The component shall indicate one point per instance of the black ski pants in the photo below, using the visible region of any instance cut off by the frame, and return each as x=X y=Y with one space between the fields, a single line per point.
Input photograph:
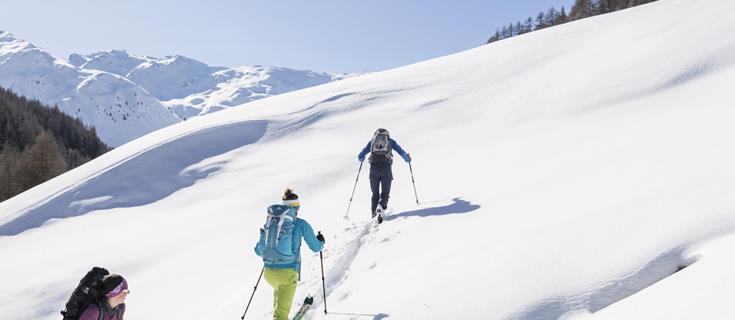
x=381 y=176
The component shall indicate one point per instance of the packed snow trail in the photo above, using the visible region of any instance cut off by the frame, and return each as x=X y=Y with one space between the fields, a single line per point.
x=341 y=251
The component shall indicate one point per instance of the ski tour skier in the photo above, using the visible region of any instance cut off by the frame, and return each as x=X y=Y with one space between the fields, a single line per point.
x=381 y=148
x=112 y=306
x=279 y=246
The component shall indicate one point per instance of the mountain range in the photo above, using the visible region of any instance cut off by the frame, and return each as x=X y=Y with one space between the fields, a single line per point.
x=125 y=96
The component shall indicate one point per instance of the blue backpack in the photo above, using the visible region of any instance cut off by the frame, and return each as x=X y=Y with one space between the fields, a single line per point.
x=277 y=235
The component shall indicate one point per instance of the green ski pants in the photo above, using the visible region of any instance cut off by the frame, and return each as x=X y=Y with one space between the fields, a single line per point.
x=284 y=283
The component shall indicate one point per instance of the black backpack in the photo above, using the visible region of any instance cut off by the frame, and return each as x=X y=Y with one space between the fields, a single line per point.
x=89 y=291
x=380 y=149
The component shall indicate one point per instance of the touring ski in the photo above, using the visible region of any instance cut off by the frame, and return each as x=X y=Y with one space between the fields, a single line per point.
x=304 y=308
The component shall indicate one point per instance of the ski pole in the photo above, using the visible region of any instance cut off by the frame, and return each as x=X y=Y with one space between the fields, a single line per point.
x=412 y=181
x=324 y=288
x=353 y=190
x=251 y=296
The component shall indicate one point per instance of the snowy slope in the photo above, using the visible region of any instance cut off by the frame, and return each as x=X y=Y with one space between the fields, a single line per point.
x=192 y=88
x=241 y=85
x=566 y=173
x=119 y=109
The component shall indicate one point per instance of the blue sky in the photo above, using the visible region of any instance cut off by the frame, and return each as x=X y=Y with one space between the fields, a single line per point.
x=329 y=35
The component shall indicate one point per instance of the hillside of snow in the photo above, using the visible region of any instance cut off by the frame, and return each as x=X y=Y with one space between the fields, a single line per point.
x=579 y=172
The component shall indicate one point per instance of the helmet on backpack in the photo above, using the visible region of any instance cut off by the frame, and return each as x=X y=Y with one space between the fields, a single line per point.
x=382 y=130
x=380 y=149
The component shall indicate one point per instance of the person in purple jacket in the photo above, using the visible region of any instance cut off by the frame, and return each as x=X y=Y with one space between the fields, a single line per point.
x=381 y=148
x=112 y=306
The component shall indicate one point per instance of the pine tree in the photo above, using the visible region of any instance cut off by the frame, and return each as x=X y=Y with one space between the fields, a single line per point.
x=9 y=183
x=562 y=17
x=22 y=122
x=511 y=30
x=495 y=37
x=528 y=25
x=581 y=9
x=42 y=161
x=550 y=17
x=74 y=158
x=606 y=6
x=540 y=21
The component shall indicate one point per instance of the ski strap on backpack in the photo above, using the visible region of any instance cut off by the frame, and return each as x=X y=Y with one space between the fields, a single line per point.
x=277 y=237
x=278 y=220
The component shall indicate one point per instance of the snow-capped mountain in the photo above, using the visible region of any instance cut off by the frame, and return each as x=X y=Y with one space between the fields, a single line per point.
x=584 y=171
x=244 y=84
x=119 y=109
x=126 y=96
x=119 y=62
x=191 y=88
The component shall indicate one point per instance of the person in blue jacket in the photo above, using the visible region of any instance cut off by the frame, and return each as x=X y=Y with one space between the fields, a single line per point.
x=381 y=148
x=280 y=247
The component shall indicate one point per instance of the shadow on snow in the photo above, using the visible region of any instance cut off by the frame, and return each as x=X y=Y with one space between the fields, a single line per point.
x=458 y=206
x=145 y=178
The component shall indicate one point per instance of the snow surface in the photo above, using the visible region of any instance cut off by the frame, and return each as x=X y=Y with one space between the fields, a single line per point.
x=567 y=173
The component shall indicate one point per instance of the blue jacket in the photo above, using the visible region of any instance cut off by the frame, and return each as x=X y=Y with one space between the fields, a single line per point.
x=392 y=144
x=302 y=230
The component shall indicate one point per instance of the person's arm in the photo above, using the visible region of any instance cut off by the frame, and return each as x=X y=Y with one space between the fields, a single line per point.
x=260 y=246
x=310 y=238
x=91 y=313
x=364 y=152
x=400 y=150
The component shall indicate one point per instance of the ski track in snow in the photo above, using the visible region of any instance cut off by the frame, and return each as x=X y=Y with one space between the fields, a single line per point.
x=357 y=234
x=340 y=257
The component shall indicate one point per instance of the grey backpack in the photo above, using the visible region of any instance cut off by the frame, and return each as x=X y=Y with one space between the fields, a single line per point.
x=380 y=150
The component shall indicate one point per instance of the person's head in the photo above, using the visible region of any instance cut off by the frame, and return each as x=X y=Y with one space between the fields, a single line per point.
x=115 y=289
x=291 y=199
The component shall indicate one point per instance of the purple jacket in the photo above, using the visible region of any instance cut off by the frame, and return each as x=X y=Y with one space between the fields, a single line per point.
x=93 y=312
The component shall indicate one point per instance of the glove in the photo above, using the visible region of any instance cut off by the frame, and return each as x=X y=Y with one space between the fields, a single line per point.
x=361 y=158
x=407 y=157
x=320 y=237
